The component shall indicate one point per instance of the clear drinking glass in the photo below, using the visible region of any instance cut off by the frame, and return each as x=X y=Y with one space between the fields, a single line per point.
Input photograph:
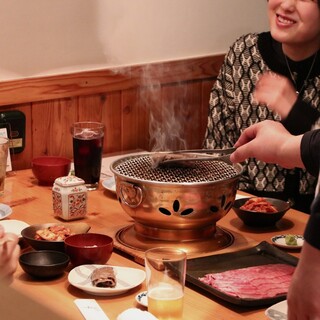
x=87 y=151
x=4 y=147
x=166 y=273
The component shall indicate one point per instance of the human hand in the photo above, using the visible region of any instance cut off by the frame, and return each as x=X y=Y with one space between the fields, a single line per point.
x=304 y=288
x=270 y=142
x=9 y=254
x=277 y=92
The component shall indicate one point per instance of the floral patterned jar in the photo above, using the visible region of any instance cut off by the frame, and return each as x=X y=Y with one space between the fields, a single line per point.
x=69 y=195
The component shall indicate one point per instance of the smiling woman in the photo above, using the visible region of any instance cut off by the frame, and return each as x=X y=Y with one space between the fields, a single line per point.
x=272 y=75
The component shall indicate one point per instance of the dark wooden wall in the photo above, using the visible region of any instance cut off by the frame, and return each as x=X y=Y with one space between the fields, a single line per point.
x=124 y=99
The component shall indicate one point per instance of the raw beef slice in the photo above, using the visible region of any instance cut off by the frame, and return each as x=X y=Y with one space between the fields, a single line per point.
x=259 y=282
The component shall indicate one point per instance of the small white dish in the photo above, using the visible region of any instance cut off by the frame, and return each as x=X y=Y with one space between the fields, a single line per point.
x=127 y=278
x=5 y=211
x=142 y=298
x=14 y=226
x=280 y=241
x=109 y=184
x=278 y=311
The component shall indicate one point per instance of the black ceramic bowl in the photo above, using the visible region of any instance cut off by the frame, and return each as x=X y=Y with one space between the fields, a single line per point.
x=44 y=263
x=29 y=233
x=261 y=219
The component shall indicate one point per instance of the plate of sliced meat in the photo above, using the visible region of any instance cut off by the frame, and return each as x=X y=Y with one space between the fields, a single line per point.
x=252 y=277
x=105 y=280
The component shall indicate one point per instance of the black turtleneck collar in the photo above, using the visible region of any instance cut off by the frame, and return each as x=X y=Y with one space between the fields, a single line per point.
x=272 y=54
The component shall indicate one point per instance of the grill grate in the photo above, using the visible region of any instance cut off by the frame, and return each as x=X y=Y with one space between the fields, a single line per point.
x=140 y=167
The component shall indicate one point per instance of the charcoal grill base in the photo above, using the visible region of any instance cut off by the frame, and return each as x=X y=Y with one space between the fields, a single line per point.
x=220 y=239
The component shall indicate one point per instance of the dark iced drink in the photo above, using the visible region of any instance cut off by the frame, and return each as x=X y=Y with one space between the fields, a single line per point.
x=87 y=151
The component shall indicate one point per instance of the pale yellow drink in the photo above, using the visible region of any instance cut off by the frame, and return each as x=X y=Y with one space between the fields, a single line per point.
x=166 y=303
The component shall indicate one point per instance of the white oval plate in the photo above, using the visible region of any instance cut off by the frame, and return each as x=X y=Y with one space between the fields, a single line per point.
x=278 y=311
x=109 y=184
x=279 y=241
x=127 y=278
x=142 y=298
x=14 y=226
x=5 y=211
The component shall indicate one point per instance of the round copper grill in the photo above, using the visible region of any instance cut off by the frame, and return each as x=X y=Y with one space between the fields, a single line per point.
x=140 y=167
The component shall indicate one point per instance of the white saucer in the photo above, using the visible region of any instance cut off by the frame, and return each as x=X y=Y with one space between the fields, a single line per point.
x=14 y=226
x=109 y=184
x=5 y=211
x=279 y=241
x=127 y=278
x=278 y=311
x=142 y=298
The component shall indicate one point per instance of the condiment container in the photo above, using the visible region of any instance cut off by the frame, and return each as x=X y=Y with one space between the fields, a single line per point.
x=69 y=195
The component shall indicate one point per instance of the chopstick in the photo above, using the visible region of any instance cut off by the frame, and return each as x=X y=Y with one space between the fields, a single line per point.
x=208 y=151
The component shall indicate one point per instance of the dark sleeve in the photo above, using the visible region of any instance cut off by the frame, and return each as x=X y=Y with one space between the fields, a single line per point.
x=311 y=233
x=310 y=151
x=301 y=118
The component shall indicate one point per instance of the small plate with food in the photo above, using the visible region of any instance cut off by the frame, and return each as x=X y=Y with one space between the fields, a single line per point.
x=14 y=226
x=109 y=184
x=142 y=298
x=288 y=241
x=5 y=211
x=278 y=311
x=105 y=280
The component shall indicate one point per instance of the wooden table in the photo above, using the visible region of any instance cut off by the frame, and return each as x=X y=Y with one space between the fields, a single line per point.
x=33 y=204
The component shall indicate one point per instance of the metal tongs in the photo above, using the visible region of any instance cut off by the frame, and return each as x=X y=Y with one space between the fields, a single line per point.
x=183 y=157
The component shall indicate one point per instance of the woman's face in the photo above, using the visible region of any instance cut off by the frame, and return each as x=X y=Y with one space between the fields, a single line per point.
x=296 y=24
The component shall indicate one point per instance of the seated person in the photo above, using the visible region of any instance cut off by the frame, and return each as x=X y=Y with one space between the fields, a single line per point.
x=272 y=75
x=9 y=254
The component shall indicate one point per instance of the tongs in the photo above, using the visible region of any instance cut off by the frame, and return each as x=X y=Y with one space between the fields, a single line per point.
x=182 y=157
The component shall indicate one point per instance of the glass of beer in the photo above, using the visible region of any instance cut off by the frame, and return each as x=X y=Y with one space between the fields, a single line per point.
x=4 y=147
x=166 y=273
x=87 y=151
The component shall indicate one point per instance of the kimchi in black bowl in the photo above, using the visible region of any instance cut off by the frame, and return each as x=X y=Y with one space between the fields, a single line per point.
x=259 y=211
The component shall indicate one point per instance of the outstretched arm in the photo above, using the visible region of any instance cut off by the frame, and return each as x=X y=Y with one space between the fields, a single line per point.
x=269 y=141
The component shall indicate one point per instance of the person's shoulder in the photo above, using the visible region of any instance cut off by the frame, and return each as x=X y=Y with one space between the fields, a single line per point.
x=249 y=39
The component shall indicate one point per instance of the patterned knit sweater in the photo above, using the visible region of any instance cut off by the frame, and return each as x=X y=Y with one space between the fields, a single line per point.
x=232 y=108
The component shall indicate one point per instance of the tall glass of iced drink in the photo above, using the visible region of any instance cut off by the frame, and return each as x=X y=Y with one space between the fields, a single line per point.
x=87 y=151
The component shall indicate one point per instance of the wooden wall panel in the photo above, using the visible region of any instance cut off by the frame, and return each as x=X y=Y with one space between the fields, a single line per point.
x=130 y=119
x=132 y=102
x=111 y=117
x=51 y=121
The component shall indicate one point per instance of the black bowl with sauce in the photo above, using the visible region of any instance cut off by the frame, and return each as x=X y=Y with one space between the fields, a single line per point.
x=44 y=263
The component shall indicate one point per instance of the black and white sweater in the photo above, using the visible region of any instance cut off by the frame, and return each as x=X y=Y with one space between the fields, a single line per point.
x=232 y=108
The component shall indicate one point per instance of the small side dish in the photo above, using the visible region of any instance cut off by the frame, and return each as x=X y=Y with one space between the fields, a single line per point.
x=260 y=212
x=104 y=277
x=53 y=233
x=278 y=311
x=127 y=278
x=288 y=241
x=5 y=211
x=258 y=205
x=291 y=240
x=142 y=298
